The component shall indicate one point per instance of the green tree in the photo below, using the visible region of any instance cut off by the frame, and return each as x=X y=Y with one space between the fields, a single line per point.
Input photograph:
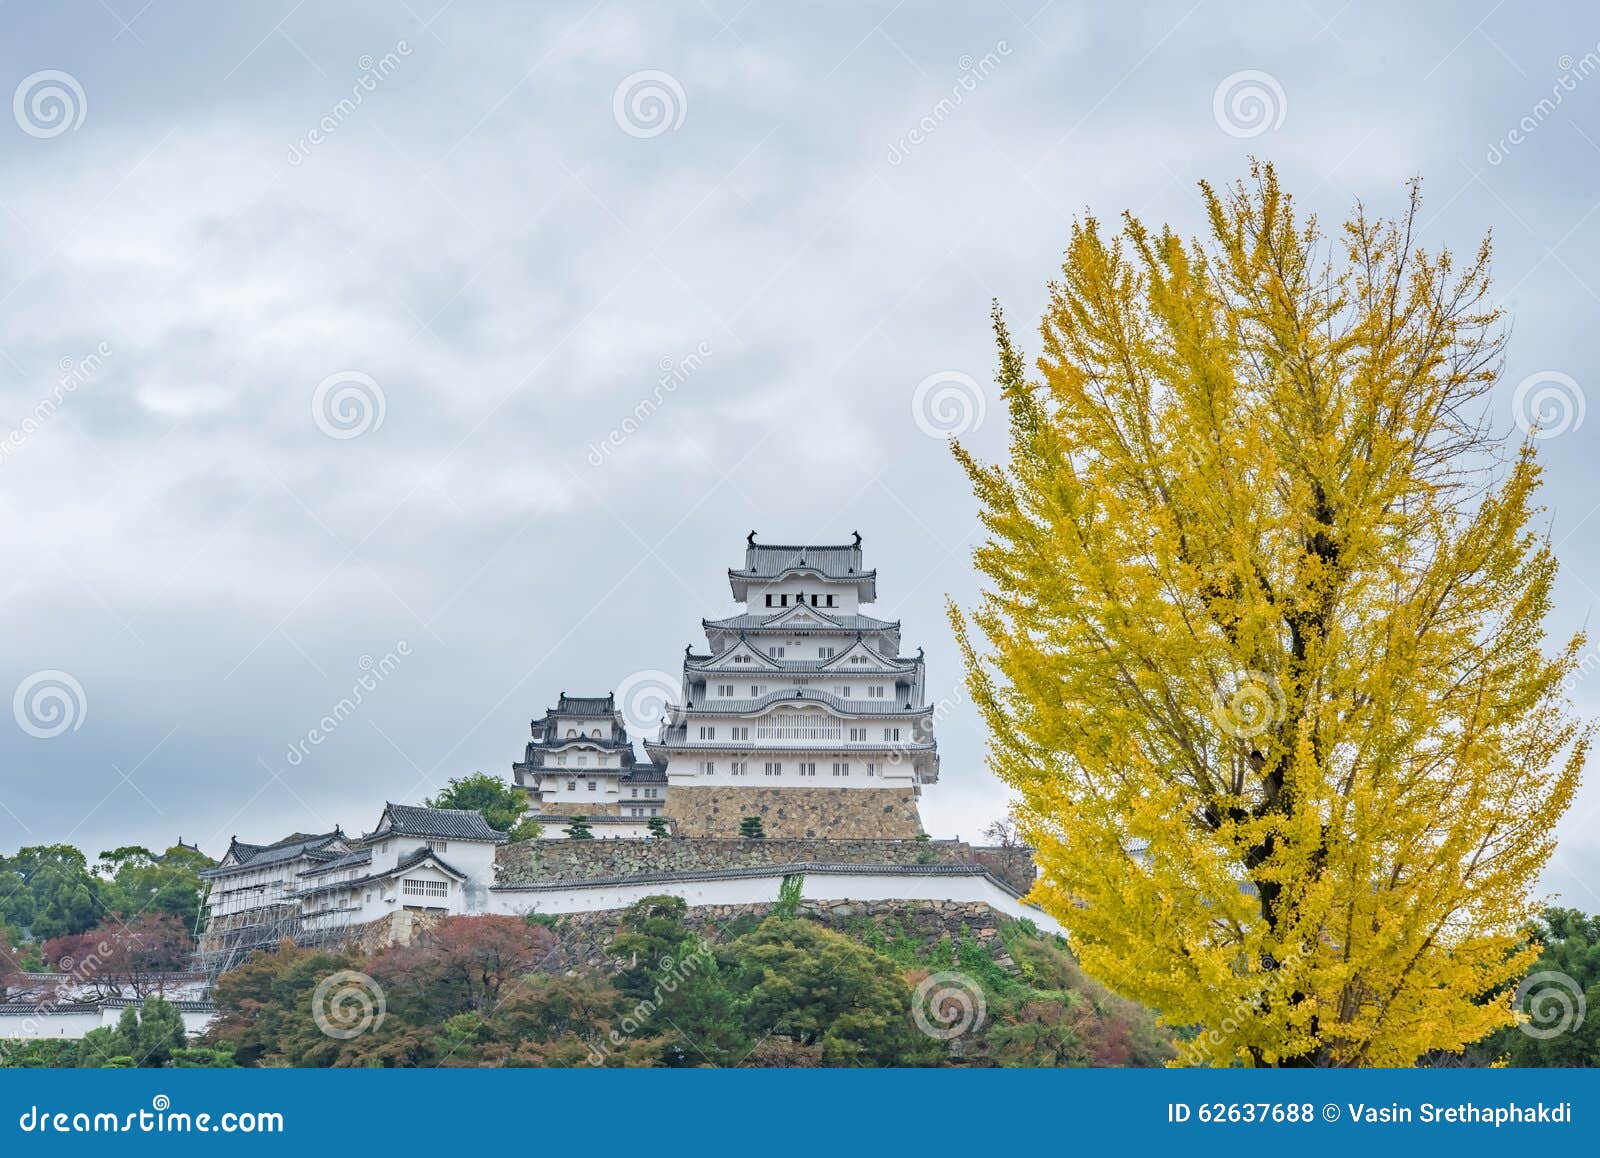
x=265 y=1008
x=679 y=989
x=578 y=829
x=750 y=828
x=1559 y=1000
x=502 y=804
x=805 y=982
x=49 y=891
x=142 y=881
x=147 y=1036
x=658 y=827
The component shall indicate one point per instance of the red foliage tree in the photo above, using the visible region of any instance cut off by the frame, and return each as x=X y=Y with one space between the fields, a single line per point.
x=462 y=964
x=121 y=958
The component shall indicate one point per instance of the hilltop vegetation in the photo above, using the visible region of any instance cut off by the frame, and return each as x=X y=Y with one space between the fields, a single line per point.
x=784 y=991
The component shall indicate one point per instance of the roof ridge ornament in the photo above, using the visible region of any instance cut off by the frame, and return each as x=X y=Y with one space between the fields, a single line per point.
x=857 y=534
x=750 y=539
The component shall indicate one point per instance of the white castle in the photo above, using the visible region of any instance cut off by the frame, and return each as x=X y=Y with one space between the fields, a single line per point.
x=800 y=689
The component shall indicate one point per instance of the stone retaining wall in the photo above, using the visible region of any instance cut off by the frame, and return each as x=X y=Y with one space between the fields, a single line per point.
x=536 y=861
x=585 y=938
x=712 y=811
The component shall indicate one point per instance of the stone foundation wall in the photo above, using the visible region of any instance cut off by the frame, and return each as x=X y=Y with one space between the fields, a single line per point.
x=534 y=861
x=577 y=808
x=842 y=813
x=585 y=938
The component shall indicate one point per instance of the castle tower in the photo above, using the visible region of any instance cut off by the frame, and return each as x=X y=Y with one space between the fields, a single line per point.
x=579 y=762
x=802 y=710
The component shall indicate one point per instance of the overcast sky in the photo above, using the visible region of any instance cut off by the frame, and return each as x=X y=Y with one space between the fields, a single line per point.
x=339 y=322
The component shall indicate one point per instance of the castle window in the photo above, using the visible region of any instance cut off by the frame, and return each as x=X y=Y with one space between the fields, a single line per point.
x=775 y=652
x=774 y=768
x=741 y=733
x=572 y=731
x=841 y=769
x=875 y=692
x=737 y=768
x=707 y=767
x=636 y=794
x=414 y=888
x=769 y=599
x=845 y=692
x=830 y=601
x=808 y=769
x=438 y=845
x=725 y=691
x=813 y=601
x=650 y=792
x=798 y=726
x=583 y=761
x=572 y=785
x=591 y=786
x=892 y=734
x=872 y=769
x=825 y=652
x=708 y=732
x=755 y=690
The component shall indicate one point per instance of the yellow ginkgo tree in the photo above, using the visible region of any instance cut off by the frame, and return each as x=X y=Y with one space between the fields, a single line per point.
x=1262 y=647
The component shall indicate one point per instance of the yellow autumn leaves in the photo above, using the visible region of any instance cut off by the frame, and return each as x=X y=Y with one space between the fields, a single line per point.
x=1262 y=649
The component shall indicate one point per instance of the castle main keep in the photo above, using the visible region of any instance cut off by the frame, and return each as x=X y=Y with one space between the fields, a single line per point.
x=800 y=711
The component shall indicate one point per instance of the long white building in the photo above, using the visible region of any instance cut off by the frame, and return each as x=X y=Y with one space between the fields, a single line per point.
x=800 y=703
x=315 y=889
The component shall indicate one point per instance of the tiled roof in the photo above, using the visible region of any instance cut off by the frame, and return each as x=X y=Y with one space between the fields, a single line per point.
x=855 y=708
x=769 y=560
x=586 y=705
x=899 y=664
x=831 y=621
x=349 y=860
x=449 y=823
x=591 y=821
x=644 y=774
x=289 y=848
